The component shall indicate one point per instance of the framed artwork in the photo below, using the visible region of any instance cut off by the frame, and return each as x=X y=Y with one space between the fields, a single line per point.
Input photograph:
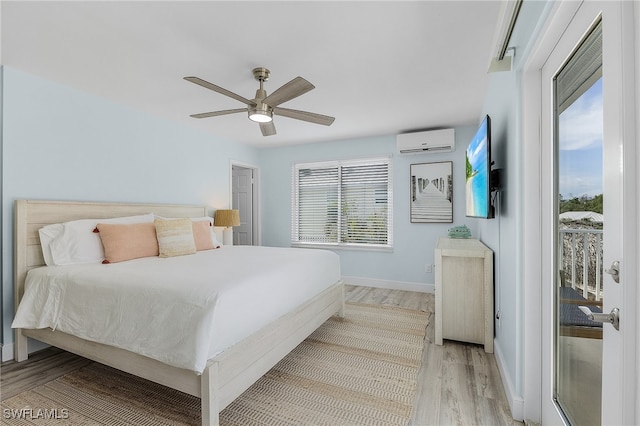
x=432 y=192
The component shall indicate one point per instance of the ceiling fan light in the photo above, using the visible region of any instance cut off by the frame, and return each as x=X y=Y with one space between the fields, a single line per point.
x=260 y=116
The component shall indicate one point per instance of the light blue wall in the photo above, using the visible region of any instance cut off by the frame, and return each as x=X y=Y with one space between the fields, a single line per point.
x=60 y=143
x=414 y=243
x=503 y=234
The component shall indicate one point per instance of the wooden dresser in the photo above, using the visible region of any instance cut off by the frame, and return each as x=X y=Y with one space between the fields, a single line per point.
x=464 y=291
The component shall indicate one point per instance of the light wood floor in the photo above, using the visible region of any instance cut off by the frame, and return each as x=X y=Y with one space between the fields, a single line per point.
x=458 y=383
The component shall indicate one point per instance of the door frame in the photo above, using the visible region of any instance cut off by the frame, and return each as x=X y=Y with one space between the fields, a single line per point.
x=255 y=220
x=537 y=372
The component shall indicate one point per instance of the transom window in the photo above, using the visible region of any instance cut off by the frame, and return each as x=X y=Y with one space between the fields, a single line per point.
x=342 y=203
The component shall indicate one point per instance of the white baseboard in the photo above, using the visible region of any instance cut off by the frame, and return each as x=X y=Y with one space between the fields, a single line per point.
x=7 y=352
x=516 y=402
x=393 y=285
x=32 y=346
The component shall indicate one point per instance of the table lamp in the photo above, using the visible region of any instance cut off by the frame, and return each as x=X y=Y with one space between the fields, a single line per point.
x=228 y=219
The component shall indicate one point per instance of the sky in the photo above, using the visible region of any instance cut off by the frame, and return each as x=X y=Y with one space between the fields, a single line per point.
x=580 y=142
x=478 y=146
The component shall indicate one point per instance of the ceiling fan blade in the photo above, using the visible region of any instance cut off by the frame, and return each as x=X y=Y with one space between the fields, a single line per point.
x=296 y=87
x=219 y=89
x=268 y=129
x=311 y=117
x=217 y=113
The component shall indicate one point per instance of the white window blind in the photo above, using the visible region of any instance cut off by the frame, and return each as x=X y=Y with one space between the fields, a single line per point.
x=346 y=203
x=581 y=71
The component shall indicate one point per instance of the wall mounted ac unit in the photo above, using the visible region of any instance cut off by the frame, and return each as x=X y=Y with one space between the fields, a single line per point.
x=429 y=142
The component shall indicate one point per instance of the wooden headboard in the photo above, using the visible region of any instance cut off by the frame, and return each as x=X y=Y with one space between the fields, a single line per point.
x=31 y=215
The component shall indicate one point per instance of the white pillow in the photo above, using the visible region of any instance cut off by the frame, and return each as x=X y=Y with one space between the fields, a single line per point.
x=77 y=243
x=47 y=235
x=216 y=243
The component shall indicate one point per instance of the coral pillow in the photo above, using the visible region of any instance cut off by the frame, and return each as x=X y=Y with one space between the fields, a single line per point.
x=128 y=241
x=202 y=235
x=175 y=237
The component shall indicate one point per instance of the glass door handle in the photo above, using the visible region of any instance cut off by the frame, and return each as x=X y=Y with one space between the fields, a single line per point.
x=614 y=271
x=613 y=317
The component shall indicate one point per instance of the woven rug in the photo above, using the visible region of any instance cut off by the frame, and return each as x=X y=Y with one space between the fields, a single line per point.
x=360 y=370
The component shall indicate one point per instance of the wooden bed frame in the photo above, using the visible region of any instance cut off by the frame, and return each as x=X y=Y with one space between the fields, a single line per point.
x=226 y=376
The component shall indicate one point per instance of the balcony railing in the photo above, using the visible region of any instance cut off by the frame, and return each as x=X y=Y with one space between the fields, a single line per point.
x=580 y=257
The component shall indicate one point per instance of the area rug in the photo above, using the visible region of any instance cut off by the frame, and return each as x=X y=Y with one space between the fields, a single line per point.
x=357 y=370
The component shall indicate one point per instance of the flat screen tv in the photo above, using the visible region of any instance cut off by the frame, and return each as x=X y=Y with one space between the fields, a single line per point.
x=478 y=186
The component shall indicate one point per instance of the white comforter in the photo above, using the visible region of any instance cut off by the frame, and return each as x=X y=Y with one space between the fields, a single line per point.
x=179 y=310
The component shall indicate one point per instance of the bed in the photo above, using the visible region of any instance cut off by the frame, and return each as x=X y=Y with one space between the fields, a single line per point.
x=227 y=369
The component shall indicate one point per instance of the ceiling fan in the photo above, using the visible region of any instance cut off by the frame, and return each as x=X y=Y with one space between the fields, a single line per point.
x=262 y=108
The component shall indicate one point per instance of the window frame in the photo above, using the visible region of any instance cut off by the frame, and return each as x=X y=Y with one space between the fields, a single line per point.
x=339 y=164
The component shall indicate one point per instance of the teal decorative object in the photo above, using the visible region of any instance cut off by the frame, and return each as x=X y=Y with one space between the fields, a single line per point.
x=459 y=232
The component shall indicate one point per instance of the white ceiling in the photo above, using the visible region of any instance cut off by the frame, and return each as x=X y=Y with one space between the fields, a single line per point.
x=380 y=67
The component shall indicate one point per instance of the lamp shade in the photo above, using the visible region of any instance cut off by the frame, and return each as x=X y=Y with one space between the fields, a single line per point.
x=226 y=218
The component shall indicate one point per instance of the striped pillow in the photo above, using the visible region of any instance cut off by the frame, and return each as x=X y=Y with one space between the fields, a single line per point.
x=175 y=237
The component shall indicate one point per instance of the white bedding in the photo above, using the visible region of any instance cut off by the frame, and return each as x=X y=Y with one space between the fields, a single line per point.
x=180 y=310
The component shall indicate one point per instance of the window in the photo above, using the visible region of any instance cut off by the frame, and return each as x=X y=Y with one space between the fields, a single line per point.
x=342 y=203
